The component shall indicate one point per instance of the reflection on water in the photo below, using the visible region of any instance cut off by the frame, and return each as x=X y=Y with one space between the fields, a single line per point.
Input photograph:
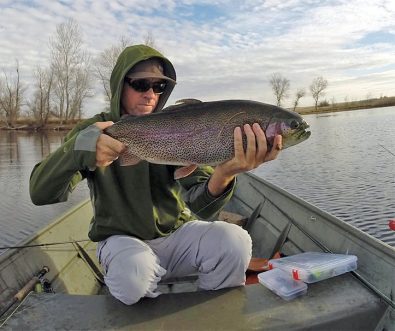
x=39 y=144
x=343 y=169
x=19 y=152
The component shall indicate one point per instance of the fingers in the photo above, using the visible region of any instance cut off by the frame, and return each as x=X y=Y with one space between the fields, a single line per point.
x=261 y=143
x=104 y=125
x=108 y=149
x=250 y=153
x=254 y=155
x=238 y=142
x=245 y=158
x=277 y=147
x=256 y=151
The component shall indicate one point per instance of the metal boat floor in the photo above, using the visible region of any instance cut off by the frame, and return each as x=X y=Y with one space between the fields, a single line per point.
x=340 y=303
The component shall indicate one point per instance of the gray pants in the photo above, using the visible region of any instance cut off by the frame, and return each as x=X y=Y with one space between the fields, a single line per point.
x=219 y=252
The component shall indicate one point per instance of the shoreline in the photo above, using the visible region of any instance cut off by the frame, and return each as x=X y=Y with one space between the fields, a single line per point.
x=20 y=126
x=340 y=107
x=335 y=110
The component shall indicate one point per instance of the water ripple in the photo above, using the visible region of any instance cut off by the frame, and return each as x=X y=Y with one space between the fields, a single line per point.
x=343 y=170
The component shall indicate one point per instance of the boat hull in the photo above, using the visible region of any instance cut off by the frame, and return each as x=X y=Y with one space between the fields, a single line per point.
x=360 y=300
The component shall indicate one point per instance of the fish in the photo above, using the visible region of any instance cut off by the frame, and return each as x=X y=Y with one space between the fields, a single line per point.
x=192 y=133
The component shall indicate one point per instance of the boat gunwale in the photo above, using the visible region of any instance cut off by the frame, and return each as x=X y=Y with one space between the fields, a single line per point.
x=8 y=253
x=349 y=228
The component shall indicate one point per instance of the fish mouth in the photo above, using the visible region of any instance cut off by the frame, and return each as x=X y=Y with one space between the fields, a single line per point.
x=297 y=136
x=302 y=132
x=304 y=135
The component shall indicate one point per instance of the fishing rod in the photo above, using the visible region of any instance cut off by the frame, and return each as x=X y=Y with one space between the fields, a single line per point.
x=44 y=244
x=25 y=290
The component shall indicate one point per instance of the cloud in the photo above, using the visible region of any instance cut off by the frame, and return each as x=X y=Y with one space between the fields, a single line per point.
x=224 y=49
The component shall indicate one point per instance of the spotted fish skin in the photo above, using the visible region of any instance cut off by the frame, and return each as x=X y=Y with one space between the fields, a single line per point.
x=201 y=133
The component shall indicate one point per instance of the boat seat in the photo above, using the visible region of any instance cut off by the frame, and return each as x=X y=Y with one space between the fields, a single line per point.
x=340 y=303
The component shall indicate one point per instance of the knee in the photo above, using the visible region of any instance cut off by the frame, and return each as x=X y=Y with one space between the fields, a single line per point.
x=226 y=253
x=234 y=240
x=133 y=276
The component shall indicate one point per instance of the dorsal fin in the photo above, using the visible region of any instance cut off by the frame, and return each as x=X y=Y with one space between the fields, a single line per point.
x=188 y=101
x=181 y=103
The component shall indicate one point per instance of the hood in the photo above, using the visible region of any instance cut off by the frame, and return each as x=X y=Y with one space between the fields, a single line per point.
x=129 y=57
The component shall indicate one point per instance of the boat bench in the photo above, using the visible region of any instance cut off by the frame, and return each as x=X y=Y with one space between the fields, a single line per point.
x=340 y=303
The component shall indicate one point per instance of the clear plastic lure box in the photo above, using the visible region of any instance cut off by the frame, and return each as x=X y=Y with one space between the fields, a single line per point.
x=281 y=283
x=312 y=267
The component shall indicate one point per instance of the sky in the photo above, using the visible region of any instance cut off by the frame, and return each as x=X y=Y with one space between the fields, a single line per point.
x=223 y=49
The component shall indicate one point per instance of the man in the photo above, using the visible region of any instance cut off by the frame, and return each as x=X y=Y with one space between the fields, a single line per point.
x=142 y=222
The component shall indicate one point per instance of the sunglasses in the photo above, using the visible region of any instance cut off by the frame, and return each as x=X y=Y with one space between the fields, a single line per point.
x=143 y=85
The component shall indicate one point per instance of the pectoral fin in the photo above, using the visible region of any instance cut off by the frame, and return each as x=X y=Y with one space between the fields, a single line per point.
x=184 y=171
x=127 y=159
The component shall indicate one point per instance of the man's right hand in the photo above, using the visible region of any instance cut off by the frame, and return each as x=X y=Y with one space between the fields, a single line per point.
x=108 y=149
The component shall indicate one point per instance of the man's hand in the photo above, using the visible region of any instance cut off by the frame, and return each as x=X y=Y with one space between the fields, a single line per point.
x=108 y=149
x=255 y=154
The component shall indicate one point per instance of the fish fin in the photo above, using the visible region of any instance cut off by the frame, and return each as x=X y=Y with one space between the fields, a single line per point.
x=184 y=171
x=127 y=159
x=171 y=108
x=179 y=104
x=188 y=101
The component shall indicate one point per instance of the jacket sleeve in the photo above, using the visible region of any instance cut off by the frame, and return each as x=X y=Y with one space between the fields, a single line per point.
x=197 y=196
x=53 y=179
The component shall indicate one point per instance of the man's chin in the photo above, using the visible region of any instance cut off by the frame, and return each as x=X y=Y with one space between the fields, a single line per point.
x=144 y=110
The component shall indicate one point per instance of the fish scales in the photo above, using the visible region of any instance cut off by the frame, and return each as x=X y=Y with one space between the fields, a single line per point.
x=197 y=133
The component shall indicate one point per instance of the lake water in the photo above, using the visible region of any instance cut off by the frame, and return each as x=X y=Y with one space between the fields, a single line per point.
x=19 y=152
x=346 y=167
x=343 y=168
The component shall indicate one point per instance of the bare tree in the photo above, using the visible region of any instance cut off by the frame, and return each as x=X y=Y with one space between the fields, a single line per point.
x=149 y=40
x=81 y=90
x=40 y=105
x=280 y=86
x=105 y=64
x=68 y=60
x=300 y=93
x=11 y=96
x=317 y=88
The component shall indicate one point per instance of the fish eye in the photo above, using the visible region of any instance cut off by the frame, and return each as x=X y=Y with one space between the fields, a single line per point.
x=294 y=124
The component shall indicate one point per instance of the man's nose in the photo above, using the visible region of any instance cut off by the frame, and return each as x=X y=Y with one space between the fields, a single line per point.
x=150 y=93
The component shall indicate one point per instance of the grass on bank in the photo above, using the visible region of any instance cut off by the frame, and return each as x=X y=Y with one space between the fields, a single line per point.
x=325 y=107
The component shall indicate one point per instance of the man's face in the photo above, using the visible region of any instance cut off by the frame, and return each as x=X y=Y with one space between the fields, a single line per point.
x=138 y=103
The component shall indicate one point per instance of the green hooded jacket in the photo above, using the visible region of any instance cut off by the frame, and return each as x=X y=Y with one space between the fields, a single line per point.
x=142 y=200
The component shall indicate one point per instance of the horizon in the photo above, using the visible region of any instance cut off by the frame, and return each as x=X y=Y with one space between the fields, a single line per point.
x=224 y=49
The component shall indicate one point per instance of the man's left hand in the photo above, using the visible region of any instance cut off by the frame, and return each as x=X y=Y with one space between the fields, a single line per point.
x=255 y=154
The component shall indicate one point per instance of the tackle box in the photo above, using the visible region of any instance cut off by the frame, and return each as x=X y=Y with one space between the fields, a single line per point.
x=312 y=267
x=281 y=283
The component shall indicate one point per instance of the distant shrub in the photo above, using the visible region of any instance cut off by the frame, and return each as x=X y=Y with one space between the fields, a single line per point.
x=324 y=103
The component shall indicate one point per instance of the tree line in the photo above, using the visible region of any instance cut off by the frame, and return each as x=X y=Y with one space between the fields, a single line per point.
x=60 y=89
x=281 y=86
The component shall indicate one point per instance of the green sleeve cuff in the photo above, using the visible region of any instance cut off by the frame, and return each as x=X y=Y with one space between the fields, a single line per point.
x=205 y=205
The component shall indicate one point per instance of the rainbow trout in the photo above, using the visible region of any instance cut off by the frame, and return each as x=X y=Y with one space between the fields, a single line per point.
x=201 y=133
